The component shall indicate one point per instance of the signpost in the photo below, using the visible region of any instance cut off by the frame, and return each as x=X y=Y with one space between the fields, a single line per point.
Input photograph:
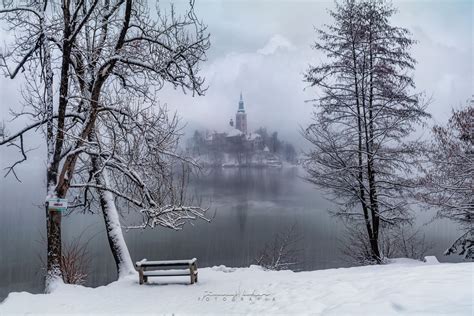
x=57 y=205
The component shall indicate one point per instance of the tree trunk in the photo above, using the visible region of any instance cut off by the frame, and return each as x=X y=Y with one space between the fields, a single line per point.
x=54 y=249
x=369 y=224
x=53 y=219
x=117 y=244
x=370 y=156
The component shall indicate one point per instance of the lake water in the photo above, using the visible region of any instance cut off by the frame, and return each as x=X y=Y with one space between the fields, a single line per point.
x=248 y=208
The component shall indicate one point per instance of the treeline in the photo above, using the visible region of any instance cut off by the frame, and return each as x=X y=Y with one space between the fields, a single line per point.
x=284 y=149
x=242 y=147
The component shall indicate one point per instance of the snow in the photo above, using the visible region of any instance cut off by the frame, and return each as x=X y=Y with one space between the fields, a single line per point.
x=146 y=262
x=431 y=260
x=233 y=132
x=403 y=287
x=254 y=136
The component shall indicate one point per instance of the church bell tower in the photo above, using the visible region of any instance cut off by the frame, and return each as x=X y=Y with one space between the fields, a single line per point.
x=241 y=117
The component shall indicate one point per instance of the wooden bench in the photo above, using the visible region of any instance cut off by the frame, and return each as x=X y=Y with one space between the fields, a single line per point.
x=148 y=269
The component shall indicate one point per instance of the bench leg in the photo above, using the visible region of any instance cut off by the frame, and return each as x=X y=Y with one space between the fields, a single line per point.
x=193 y=270
x=196 y=273
x=140 y=275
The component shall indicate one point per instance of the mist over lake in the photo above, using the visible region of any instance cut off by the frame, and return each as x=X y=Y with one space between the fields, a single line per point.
x=247 y=206
x=236 y=157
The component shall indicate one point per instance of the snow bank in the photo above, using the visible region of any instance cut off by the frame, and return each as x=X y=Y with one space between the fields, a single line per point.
x=404 y=287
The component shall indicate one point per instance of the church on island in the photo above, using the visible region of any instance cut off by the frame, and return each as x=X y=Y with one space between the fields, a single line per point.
x=238 y=133
x=240 y=117
x=233 y=147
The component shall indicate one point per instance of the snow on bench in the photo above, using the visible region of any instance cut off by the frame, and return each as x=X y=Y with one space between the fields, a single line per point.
x=165 y=262
x=144 y=264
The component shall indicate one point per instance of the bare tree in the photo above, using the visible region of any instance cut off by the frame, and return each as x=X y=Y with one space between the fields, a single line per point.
x=39 y=27
x=447 y=181
x=178 y=44
x=366 y=110
x=133 y=164
x=282 y=253
x=400 y=241
x=101 y=44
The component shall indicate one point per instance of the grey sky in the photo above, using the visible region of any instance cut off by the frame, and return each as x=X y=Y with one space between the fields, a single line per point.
x=262 y=48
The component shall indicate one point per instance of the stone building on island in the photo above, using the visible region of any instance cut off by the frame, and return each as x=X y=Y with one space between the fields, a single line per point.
x=234 y=147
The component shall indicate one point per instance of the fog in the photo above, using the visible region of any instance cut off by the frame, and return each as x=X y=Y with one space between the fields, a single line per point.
x=259 y=48
x=262 y=48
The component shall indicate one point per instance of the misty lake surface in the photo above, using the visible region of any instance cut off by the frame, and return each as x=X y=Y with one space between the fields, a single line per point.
x=248 y=207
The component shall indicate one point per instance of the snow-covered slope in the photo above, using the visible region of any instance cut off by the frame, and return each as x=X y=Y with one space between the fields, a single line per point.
x=404 y=287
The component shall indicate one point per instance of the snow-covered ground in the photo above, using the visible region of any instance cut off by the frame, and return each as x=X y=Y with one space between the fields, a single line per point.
x=404 y=287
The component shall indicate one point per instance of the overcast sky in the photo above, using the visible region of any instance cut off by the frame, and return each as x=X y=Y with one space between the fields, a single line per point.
x=262 y=48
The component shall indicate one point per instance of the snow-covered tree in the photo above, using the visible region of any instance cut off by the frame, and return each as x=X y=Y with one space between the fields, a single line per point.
x=98 y=46
x=177 y=45
x=131 y=164
x=366 y=109
x=447 y=183
x=41 y=29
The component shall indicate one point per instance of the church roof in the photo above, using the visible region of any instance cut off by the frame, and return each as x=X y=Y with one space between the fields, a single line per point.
x=253 y=136
x=232 y=132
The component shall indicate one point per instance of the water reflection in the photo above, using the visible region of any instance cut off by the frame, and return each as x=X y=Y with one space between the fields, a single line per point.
x=250 y=206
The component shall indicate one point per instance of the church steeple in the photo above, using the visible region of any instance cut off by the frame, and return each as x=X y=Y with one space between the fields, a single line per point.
x=241 y=117
x=241 y=103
